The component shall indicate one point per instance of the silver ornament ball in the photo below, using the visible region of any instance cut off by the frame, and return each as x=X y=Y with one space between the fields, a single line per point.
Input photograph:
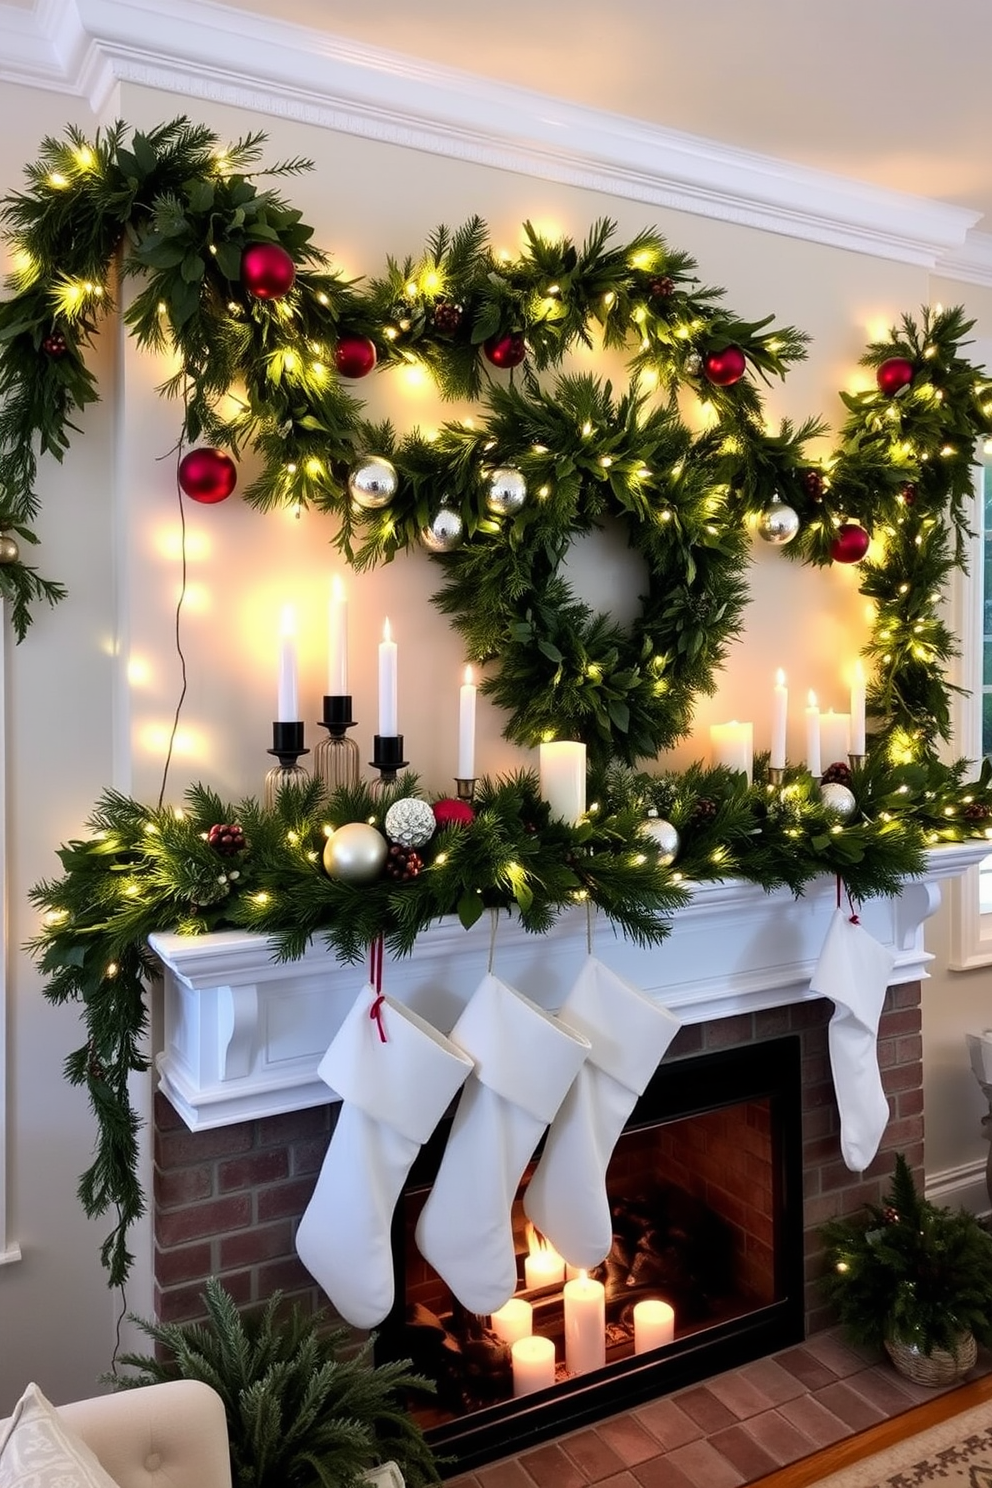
x=444 y=533
x=410 y=822
x=355 y=853
x=694 y=364
x=374 y=483
x=9 y=551
x=778 y=523
x=507 y=491
x=665 y=836
x=838 y=799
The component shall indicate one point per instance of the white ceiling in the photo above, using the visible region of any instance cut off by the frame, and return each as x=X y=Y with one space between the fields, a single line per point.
x=895 y=93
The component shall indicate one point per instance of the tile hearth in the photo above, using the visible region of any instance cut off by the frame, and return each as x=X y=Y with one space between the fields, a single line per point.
x=732 y=1429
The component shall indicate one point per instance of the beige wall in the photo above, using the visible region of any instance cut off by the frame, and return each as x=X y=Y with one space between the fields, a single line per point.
x=109 y=529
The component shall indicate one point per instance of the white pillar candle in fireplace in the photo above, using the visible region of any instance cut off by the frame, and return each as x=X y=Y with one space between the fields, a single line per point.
x=585 y=1325
x=835 y=738
x=732 y=744
x=654 y=1324
x=543 y=1267
x=563 y=778
x=533 y=1361
x=515 y=1319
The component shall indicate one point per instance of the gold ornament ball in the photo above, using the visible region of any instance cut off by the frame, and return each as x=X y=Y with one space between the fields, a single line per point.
x=778 y=523
x=666 y=837
x=355 y=853
x=838 y=799
x=507 y=491
x=9 y=551
x=374 y=483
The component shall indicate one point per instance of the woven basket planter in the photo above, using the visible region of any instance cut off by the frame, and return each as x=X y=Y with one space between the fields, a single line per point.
x=941 y=1367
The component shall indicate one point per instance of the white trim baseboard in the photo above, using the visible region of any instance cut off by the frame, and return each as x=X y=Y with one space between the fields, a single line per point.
x=89 y=47
x=962 y=1187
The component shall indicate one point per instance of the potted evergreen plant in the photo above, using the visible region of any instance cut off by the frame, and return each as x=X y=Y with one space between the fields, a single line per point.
x=305 y=1409
x=915 y=1278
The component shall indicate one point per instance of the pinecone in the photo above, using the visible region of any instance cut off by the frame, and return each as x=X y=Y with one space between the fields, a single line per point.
x=661 y=287
x=402 y=863
x=227 y=838
x=812 y=483
x=447 y=317
x=836 y=774
x=704 y=810
x=976 y=811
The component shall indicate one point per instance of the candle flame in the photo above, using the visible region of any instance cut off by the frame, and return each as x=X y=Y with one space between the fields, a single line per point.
x=812 y=699
x=288 y=626
x=538 y=1244
x=387 y=634
x=468 y=679
x=780 y=678
x=337 y=587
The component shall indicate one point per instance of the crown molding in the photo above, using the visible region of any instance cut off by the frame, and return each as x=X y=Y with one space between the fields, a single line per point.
x=201 y=50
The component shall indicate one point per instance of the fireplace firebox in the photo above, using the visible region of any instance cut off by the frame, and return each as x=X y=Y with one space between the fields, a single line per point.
x=705 y=1190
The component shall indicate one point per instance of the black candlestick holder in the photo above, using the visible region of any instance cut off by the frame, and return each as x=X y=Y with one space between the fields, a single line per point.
x=336 y=760
x=387 y=757
x=287 y=746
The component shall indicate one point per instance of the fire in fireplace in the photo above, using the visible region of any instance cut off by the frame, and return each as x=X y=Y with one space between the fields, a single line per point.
x=705 y=1269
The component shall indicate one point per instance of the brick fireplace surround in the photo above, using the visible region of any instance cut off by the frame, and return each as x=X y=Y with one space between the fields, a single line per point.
x=227 y=1201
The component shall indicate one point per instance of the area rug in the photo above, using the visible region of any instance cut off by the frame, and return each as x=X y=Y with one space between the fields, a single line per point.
x=957 y=1451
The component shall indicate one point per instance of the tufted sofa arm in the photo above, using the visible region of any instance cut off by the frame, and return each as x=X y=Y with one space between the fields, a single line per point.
x=171 y=1435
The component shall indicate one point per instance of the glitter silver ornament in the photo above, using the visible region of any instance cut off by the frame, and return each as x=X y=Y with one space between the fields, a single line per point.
x=374 y=483
x=444 y=533
x=410 y=822
x=9 y=551
x=665 y=836
x=778 y=523
x=838 y=799
x=507 y=491
x=694 y=364
x=355 y=853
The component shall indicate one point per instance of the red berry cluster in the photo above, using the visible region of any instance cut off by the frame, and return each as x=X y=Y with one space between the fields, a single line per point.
x=661 y=287
x=227 y=838
x=836 y=774
x=402 y=863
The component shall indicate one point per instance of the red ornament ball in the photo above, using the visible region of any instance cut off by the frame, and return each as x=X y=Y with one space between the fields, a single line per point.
x=506 y=351
x=725 y=367
x=55 y=345
x=267 y=271
x=355 y=356
x=452 y=813
x=893 y=375
x=207 y=475
x=851 y=543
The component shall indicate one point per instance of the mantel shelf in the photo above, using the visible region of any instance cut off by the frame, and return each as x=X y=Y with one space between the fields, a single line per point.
x=244 y=1033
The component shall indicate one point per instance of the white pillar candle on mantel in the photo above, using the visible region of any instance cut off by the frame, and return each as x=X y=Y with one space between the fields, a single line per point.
x=780 y=719
x=813 y=736
x=288 y=708
x=515 y=1319
x=654 y=1324
x=466 y=728
x=543 y=1267
x=388 y=669
x=835 y=737
x=585 y=1325
x=337 y=641
x=563 y=778
x=732 y=745
x=533 y=1362
x=858 y=708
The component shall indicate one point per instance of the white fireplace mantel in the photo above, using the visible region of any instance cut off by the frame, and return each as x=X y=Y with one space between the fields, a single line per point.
x=244 y=1033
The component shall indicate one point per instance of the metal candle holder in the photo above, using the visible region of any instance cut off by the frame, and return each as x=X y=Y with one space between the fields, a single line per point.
x=465 y=788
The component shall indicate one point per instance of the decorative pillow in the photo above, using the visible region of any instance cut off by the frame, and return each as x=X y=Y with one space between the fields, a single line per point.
x=36 y=1450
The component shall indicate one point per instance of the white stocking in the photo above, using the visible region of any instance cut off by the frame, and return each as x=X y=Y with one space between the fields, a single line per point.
x=393 y=1094
x=853 y=971
x=566 y=1198
x=525 y=1060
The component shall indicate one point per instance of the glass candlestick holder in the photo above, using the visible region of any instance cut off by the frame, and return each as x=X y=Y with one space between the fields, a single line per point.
x=387 y=758
x=287 y=746
x=336 y=761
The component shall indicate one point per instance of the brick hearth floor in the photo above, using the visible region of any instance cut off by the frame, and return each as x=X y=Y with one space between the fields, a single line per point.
x=729 y=1430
